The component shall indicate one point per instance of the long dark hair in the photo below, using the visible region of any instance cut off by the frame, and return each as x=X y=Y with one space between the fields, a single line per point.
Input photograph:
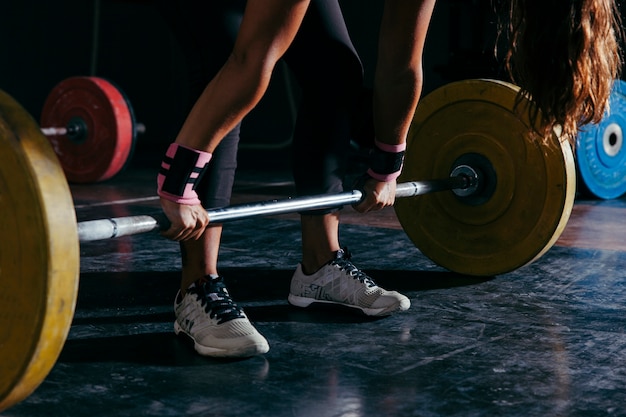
x=565 y=55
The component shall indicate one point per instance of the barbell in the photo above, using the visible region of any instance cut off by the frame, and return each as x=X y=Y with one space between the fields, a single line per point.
x=500 y=198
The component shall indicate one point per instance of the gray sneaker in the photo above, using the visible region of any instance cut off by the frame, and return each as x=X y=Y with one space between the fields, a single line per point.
x=217 y=326
x=340 y=282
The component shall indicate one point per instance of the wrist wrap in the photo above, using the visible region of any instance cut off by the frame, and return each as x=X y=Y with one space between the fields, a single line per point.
x=181 y=170
x=386 y=161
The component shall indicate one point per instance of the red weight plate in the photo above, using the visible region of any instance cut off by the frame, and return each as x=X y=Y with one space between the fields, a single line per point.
x=100 y=128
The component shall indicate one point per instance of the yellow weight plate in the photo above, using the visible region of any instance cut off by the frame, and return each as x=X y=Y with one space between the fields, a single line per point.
x=531 y=180
x=39 y=255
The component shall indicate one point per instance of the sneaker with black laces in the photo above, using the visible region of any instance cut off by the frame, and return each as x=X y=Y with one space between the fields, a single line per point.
x=217 y=326
x=340 y=282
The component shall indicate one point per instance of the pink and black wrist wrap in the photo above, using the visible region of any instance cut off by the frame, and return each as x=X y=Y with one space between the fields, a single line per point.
x=181 y=170
x=386 y=161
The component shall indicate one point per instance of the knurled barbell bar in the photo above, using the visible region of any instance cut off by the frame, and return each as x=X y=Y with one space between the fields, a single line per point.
x=512 y=194
x=461 y=179
x=91 y=125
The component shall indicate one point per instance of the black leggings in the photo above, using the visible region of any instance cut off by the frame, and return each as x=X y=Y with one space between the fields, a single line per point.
x=323 y=62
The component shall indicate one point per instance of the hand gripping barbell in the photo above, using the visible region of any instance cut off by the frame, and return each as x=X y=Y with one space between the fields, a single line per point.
x=512 y=194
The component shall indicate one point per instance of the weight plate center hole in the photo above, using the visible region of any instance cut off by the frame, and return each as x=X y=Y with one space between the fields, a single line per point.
x=612 y=139
x=481 y=178
x=77 y=130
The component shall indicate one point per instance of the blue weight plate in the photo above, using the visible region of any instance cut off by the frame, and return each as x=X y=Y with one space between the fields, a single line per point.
x=600 y=150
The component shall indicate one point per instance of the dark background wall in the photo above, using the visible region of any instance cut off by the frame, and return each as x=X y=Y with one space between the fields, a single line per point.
x=43 y=42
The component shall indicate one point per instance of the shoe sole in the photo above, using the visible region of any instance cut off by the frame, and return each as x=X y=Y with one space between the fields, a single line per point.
x=245 y=351
x=305 y=302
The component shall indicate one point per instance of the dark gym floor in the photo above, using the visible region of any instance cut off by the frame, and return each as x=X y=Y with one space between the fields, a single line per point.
x=545 y=340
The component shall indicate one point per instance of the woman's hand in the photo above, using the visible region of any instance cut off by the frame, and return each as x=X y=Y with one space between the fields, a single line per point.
x=188 y=222
x=377 y=194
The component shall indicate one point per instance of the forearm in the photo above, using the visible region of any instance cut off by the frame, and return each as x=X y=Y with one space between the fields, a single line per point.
x=394 y=103
x=399 y=76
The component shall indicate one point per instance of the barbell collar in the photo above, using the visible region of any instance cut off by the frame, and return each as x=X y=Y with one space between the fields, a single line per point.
x=92 y=230
x=103 y=229
x=75 y=130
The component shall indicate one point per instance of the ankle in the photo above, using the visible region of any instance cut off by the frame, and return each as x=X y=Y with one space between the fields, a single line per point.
x=308 y=269
x=312 y=265
x=187 y=281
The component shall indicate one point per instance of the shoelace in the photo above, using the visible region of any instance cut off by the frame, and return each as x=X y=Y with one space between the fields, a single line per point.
x=343 y=262
x=216 y=301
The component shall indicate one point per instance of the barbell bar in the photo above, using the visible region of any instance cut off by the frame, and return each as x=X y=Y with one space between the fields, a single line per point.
x=511 y=196
x=102 y=229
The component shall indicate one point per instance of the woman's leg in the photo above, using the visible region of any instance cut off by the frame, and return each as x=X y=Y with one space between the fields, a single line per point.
x=330 y=75
x=329 y=72
x=199 y=257
x=204 y=310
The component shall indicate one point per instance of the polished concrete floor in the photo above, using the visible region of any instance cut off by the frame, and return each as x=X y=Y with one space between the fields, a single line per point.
x=548 y=339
